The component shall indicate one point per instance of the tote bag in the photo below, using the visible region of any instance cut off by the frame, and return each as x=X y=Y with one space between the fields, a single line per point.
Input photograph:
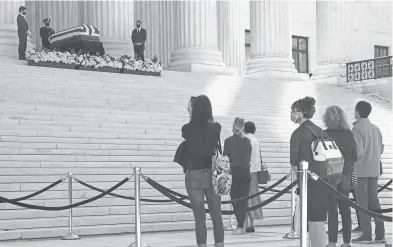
x=221 y=172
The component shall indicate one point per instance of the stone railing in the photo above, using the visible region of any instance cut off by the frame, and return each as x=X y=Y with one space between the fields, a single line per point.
x=369 y=69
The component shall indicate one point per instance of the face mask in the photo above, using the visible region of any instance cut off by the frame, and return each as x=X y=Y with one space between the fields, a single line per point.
x=47 y=24
x=294 y=118
x=138 y=25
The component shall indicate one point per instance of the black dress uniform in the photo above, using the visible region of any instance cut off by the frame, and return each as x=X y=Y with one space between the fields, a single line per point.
x=45 y=33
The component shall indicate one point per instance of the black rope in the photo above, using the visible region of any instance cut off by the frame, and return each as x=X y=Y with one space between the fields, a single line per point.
x=163 y=191
x=121 y=196
x=232 y=201
x=385 y=186
x=35 y=193
x=272 y=190
x=353 y=204
x=74 y=205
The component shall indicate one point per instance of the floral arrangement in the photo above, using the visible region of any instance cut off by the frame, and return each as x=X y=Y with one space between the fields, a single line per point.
x=94 y=60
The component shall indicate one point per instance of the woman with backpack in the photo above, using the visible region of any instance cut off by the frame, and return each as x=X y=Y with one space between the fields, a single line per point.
x=302 y=111
x=338 y=129
x=238 y=149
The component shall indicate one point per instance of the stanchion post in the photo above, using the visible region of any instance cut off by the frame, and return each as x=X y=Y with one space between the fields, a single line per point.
x=303 y=203
x=70 y=235
x=292 y=234
x=137 y=188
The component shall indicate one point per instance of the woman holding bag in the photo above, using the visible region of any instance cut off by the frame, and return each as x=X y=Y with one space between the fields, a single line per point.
x=201 y=136
x=256 y=166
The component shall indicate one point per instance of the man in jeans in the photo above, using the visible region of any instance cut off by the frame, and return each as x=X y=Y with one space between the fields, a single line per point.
x=368 y=139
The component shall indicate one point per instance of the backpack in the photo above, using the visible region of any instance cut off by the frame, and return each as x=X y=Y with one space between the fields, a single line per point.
x=328 y=159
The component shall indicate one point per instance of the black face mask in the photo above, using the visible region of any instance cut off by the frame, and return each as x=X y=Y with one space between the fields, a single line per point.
x=138 y=25
x=47 y=24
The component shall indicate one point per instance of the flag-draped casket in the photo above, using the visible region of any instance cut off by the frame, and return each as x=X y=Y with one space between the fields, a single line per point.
x=85 y=37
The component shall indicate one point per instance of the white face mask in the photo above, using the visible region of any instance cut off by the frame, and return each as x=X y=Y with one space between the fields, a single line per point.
x=295 y=118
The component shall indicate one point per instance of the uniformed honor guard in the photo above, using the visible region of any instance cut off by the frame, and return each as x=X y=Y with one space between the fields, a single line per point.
x=45 y=32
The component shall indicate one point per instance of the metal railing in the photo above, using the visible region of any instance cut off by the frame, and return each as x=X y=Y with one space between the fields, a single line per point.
x=370 y=69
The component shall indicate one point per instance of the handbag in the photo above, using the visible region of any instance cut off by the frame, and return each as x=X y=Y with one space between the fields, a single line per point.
x=221 y=172
x=263 y=175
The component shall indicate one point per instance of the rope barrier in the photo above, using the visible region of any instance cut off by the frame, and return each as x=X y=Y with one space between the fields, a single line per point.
x=35 y=193
x=121 y=196
x=351 y=203
x=225 y=202
x=30 y=206
x=385 y=186
x=272 y=190
x=163 y=191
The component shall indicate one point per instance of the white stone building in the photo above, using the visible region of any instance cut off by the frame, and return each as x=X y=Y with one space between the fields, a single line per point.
x=208 y=36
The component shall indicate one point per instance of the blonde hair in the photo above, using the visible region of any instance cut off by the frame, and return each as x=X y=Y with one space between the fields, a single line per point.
x=238 y=127
x=335 y=118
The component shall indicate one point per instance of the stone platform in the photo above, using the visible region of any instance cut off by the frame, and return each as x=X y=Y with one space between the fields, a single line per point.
x=264 y=236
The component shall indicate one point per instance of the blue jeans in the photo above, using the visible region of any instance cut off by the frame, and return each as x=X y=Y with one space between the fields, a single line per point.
x=343 y=185
x=199 y=185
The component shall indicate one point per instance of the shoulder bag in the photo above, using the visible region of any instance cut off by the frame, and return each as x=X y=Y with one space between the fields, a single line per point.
x=263 y=175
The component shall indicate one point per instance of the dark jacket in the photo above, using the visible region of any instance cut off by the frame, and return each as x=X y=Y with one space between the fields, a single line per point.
x=238 y=151
x=201 y=143
x=23 y=27
x=139 y=37
x=45 y=33
x=300 y=145
x=346 y=142
x=180 y=156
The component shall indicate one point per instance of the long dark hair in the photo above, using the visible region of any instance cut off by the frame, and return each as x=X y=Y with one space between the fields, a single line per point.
x=202 y=112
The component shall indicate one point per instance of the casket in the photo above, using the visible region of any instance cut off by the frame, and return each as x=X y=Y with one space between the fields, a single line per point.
x=83 y=37
x=82 y=32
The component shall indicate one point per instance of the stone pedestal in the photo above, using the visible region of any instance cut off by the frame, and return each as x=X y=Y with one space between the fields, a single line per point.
x=115 y=20
x=333 y=38
x=196 y=38
x=271 y=55
x=8 y=29
x=231 y=36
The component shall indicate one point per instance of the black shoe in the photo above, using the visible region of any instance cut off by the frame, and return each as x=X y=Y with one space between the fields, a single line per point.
x=250 y=229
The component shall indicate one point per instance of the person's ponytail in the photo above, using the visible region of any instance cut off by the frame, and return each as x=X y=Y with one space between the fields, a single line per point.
x=238 y=127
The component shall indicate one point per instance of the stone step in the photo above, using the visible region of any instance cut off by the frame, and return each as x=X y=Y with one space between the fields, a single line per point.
x=99 y=125
x=119 y=228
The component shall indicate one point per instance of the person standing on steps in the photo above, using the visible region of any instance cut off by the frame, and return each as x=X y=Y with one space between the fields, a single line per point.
x=138 y=38
x=256 y=164
x=302 y=111
x=45 y=32
x=202 y=136
x=338 y=129
x=23 y=32
x=238 y=149
x=368 y=138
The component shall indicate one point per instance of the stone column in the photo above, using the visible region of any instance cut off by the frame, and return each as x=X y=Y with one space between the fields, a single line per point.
x=9 y=41
x=271 y=55
x=333 y=38
x=197 y=38
x=231 y=29
x=63 y=14
x=115 y=20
